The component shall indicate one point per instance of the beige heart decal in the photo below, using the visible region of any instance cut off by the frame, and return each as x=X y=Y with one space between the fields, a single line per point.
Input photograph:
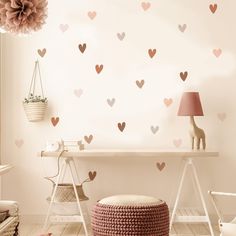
x=99 y=68
x=213 y=8
x=182 y=28
x=92 y=175
x=221 y=116
x=78 y=92
x=177 y=142
x=152 y=52
x=54 y=121
x=168 y=101
x=89 y=138
x=121 y=126
x=92 y=14
x=161 y=166
x=217 y=52
x=183 y=75
x=121 y=36
x=82 y=47
x=111 y=101
x=140 y=83
x=63 y=27
x=145 y=5
x=154 y=129
x=19 y=142
x=42 y=52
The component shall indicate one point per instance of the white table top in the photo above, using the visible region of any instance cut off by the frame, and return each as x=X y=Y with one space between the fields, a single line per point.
x=5 y=168
x=133 y=153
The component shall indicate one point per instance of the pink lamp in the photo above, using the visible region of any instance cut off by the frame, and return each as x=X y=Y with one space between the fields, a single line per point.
x=190 y=105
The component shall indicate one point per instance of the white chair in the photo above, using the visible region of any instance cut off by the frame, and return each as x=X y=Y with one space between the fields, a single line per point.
x=226 y=228
x=9 y=227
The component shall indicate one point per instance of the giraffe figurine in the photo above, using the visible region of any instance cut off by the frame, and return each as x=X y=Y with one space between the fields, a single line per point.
x=197 y=135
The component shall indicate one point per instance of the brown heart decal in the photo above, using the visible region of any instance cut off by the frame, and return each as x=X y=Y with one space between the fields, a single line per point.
x=99 y=68
x=213 y=8
x=152 y=52
x=89 y=138
x=92 y=175
x=182 y=28
x=161 y=166
x=140 y=83
x=54 y=121
x=183 y=75
x=82 y=47
x=121 y=126
x=42 y=52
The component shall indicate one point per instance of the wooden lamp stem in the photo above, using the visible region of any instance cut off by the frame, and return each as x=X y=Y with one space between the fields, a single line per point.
x=197 y=135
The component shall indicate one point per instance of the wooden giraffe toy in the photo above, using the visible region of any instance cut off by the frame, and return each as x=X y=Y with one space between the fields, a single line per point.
x=197 y=135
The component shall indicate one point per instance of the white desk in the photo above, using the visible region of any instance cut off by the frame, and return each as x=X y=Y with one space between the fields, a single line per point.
x=187 y=155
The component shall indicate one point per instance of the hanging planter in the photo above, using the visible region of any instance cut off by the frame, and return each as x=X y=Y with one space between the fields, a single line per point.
x=35 y=105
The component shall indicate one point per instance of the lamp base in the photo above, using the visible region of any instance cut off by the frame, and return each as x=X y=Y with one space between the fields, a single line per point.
x=197 y=135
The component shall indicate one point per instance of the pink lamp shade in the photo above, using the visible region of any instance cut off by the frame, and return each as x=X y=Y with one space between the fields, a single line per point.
x=190 y=105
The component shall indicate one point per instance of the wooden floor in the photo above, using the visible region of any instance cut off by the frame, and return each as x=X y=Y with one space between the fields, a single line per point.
x=77 y=230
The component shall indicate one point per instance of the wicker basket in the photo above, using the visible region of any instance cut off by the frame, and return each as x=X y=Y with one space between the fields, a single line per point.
x=65 y=193
x=9 y=227
x=35 y=110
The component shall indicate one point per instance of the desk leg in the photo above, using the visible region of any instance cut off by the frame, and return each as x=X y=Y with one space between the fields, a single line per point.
x=189 y=163
x=71 y=163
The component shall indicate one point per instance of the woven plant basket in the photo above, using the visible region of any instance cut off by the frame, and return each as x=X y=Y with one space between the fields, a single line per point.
x=35 y=106
x=35 y=110
x=65 y=193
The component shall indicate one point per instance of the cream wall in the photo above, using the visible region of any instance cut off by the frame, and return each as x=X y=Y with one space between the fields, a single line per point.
x=65 y=69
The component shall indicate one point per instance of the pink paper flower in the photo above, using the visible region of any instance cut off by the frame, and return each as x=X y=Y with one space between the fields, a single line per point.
x=22 y=16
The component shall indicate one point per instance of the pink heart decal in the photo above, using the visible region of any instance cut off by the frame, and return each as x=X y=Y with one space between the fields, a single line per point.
x=161 y=166
x=111 y=101
x=177 y=142
x=182 y=28
x=42 y=52
x=19 y=142
x=92 y=14
x=221 y=116
x=78 y=92
x=168 y=101
x=213 y=8
x=217 y=52
x=145 y=5
x=63 y=27
x=121 y=36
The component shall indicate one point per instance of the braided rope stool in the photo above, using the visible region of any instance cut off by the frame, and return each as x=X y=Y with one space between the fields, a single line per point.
x=132 y=215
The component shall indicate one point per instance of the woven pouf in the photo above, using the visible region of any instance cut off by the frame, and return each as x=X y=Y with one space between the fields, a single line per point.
x=134 y=215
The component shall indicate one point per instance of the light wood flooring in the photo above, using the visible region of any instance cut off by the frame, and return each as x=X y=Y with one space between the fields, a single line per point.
x=77 y=230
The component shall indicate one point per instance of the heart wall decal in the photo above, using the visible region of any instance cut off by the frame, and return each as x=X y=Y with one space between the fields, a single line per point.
x=54 y=121
x=121 y=126
x=217 y=52
x=140 y=83
x=182 y=28
x=92 y=175
x=177 y=142
x=92 y=14
x=82 y=47
x=160 y=166
x=63 y=27
x=89 y=138
x=183 y=75
x=19 y=142
x=78 y=92
x=152 y=52
x=221 y=116
x=99 y=68
x=154 y=129
x=145 y=5
x=213 y=8
x=121 y=36
x=168 y=101
x=42 y=52
x=111 y=102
